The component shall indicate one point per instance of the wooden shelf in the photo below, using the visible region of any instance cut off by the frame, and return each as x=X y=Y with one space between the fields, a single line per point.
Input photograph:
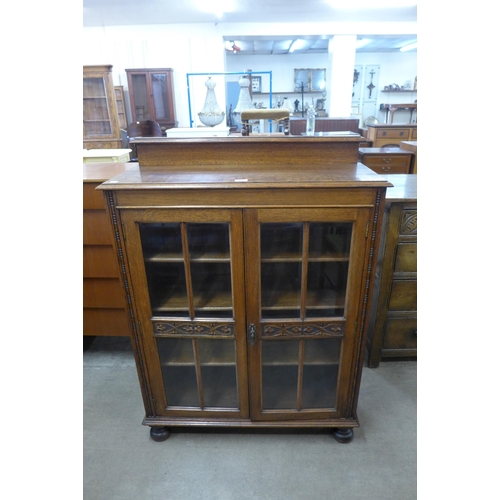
x=292 y=92
x=297 y=257
x=160 y=257
x=285 y=299
x=210 y=301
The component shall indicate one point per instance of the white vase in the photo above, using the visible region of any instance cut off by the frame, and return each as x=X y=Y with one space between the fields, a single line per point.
x=211 y=114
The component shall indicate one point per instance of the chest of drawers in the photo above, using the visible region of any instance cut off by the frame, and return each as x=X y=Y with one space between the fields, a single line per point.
x=105 y=310
x=390 y=135
x=387 y=160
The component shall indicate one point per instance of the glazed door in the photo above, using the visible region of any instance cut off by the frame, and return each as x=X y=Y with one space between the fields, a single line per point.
x=304 y=272
x=140 y=96
x=161 y=92
x=191 y=319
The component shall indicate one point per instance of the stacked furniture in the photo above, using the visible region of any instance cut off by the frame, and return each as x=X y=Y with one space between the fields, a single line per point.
x=105 y=312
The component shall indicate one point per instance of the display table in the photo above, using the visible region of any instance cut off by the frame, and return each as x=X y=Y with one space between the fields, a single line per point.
x=195 y=132
x=390 y=109
x=248 y=266
x=106 y=155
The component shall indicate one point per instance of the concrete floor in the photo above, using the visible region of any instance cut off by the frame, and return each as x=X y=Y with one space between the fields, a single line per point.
x=122 y=462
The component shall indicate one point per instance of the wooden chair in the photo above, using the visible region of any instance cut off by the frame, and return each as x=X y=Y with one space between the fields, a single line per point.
x=279 y=115
x=145 y=128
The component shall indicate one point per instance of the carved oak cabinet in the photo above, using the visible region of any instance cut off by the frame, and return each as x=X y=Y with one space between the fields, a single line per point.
x=392 y=331
x=248 y=265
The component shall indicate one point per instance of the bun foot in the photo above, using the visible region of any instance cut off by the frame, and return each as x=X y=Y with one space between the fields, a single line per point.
x=159 y=433
x=343 y=435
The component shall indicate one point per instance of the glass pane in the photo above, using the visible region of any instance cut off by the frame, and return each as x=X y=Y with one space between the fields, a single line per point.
x=281 y=270
x=302 y=79
x=328 y=265
x=212 y=290
x=318 y=79
x=218 y=372
x=94 y=87
x=281 y=241
x=160 y=95
x=141 y=97
x=209 y=242
x=165 y=270
x=95 y=108
x=179 y=371
x=320 y=373
x=280 y=361
x=210 y=263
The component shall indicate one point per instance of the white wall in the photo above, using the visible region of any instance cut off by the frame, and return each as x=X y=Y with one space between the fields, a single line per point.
x=198 y=48
x=398 y=68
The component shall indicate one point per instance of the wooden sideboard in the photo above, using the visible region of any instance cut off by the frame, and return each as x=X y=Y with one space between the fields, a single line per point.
x=387 y=160
x=105 y=311
x=393 y=320
x=390 y=135
x=248 y=267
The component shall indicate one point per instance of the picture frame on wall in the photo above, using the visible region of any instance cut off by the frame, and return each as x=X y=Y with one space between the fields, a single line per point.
x=256 y=84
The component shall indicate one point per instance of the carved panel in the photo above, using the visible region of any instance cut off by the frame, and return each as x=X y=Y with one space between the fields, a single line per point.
x=408 y=224
x=302 y=329
x=190 y=328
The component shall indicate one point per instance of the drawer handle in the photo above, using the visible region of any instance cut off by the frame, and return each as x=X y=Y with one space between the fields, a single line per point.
x=387 y=160
x=401 y=134
x=386 y=169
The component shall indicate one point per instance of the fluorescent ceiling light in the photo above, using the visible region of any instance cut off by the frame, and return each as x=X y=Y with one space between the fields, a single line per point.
x=370 y=4
x=410 y=46
x=296 y=44
x=362 y=42
x=217 y=7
